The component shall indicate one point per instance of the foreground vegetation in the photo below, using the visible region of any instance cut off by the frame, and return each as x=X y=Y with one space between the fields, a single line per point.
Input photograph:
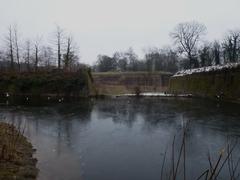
x=226 y=161
x=16 y=155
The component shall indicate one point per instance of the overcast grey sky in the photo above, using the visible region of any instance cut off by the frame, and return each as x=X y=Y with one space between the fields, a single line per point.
x=105 y=26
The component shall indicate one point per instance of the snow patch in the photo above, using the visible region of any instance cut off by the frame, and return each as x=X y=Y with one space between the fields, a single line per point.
x=156 y=94
x=207 y=69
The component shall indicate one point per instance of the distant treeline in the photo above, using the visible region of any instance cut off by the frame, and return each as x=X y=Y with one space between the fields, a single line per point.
x=155 y=60
x=190 y=50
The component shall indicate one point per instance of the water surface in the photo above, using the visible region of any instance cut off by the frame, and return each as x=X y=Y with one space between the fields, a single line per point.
x=116 y=139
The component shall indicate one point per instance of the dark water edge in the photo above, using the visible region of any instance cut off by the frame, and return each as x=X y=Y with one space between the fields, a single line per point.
x=123 y=138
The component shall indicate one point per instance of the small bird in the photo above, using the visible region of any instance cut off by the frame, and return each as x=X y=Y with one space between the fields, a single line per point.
x=7 y=95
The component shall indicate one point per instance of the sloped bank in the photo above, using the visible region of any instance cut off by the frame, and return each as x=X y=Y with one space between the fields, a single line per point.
x=217 y=82
x=55 y=83
x=16 y=155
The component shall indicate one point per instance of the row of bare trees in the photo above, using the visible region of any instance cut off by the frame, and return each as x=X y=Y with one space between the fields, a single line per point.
x=34 y=55
x=190 y=50
x=199 y=53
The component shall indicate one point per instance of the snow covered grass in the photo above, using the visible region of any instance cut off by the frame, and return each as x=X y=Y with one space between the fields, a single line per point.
x=207 y=69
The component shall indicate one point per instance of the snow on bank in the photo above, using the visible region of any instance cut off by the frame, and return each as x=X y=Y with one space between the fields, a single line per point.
x=155 y=94
x=207 y=69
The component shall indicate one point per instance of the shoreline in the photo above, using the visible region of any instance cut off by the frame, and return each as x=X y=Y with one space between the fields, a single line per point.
x=60 y=98
x=16 y=154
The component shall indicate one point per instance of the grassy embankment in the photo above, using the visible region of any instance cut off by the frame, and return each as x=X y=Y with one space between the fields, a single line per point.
x=56 y=83
x=16 y=155
x=115 y=83
x=222 y=84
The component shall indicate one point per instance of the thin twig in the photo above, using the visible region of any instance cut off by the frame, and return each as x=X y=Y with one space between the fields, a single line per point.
x=164 y=159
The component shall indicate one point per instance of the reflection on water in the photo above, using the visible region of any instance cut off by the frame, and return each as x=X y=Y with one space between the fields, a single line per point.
x=121 y=138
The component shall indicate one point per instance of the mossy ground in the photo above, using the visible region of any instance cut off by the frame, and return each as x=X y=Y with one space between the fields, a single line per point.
x=16 y=155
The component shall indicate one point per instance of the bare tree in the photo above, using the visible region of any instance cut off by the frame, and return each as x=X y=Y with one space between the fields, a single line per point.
x=59 y=38
x=70 y=57
x=36 y=52
x=231 y=46
x=187 y=35
x=164 y=59
x=10 y=41
x=47 y=57
x=106 y=63
x=16 y=46
x=121 y=61
x=216 y=52
x=2 y=58
x=67 y=56
x=132 y=58
x=27 y=54
x=205 y=54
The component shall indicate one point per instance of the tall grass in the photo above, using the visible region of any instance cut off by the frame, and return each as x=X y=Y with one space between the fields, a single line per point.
x=10 y=137
x=177 y=159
